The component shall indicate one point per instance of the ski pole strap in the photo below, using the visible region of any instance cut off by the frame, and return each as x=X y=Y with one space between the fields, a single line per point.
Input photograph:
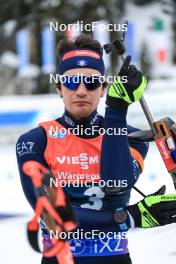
x=53 y=208
x=61 y=248
x=32 y=234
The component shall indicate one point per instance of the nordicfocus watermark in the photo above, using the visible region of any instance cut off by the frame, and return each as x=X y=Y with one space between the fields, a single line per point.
x=80 y=26
x=80 y=130
x=80 y=78
x=78 y=180
x=81 y=234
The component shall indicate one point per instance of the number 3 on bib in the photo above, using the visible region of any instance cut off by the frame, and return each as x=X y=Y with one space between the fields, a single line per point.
x=95 y=200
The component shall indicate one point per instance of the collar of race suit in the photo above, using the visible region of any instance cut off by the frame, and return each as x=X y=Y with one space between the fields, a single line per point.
x=68 y=121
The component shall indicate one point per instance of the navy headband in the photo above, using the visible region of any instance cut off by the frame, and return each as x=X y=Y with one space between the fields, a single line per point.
x=81 y=58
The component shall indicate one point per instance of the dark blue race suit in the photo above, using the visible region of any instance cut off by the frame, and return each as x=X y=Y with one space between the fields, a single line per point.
x=116 y=163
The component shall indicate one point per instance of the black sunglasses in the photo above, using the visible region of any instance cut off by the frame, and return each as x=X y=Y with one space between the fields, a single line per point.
x=73 y=82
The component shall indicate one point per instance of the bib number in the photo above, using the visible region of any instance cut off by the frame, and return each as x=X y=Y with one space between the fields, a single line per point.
x=95 y=200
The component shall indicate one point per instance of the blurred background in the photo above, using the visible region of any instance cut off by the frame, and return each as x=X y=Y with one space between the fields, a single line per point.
x=28 y=57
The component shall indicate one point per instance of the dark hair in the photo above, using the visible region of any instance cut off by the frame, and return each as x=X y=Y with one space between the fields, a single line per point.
x=82 y=41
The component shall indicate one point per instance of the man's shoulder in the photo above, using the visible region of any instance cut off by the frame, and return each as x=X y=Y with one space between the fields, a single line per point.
x=32 y=142
x=36 y=136
x=35 y=133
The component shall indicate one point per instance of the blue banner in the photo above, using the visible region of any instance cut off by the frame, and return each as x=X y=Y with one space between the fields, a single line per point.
x=130 y=42
x=48 y=42
x=18 y=118
x=22 y=47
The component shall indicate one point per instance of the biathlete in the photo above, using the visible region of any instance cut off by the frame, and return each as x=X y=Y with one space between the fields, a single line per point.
x=91 y=155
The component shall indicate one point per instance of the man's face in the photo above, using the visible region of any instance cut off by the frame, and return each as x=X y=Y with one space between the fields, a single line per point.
x=81 y=102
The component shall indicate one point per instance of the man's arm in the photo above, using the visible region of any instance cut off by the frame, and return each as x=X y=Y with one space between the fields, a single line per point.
x=118 y=160
x=30 y=146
